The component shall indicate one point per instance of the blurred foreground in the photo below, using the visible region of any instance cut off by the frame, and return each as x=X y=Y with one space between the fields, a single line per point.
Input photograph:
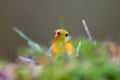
x=93 y=60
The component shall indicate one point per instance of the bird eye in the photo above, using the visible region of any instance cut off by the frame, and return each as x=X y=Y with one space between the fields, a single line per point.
x=58 y=33
x=66 y=35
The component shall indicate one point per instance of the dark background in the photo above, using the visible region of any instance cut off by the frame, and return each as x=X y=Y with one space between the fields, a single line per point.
x=39 y=18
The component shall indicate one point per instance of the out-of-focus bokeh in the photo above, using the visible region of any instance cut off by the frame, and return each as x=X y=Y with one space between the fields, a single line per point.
x=39 y=18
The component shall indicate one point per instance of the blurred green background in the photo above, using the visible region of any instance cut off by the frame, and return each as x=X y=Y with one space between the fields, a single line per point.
x=39 y=18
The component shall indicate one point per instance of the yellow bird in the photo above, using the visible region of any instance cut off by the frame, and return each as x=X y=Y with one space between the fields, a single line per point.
x=61 y=43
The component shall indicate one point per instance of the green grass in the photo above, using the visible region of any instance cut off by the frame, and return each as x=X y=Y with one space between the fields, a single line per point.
x=92 y=63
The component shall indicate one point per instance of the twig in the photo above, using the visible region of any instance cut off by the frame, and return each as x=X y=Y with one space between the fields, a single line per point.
x=21 y=34
x=87 y=30
x=25 y=59
x=30 y=42
x=78 y=48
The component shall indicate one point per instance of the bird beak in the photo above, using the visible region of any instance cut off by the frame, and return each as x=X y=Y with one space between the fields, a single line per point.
x=68 y=38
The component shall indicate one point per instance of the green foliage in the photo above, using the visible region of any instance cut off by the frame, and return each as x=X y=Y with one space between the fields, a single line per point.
x=23 y=73
x=91 y=63
x=3 y=63
x=21 y=50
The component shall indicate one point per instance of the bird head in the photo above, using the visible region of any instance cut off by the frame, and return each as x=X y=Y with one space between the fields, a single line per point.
x=62 y=35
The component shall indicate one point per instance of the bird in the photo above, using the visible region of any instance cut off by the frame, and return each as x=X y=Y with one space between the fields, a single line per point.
x=61 y=43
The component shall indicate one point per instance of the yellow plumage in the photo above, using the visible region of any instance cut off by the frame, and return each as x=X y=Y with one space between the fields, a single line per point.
x=61 y=43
